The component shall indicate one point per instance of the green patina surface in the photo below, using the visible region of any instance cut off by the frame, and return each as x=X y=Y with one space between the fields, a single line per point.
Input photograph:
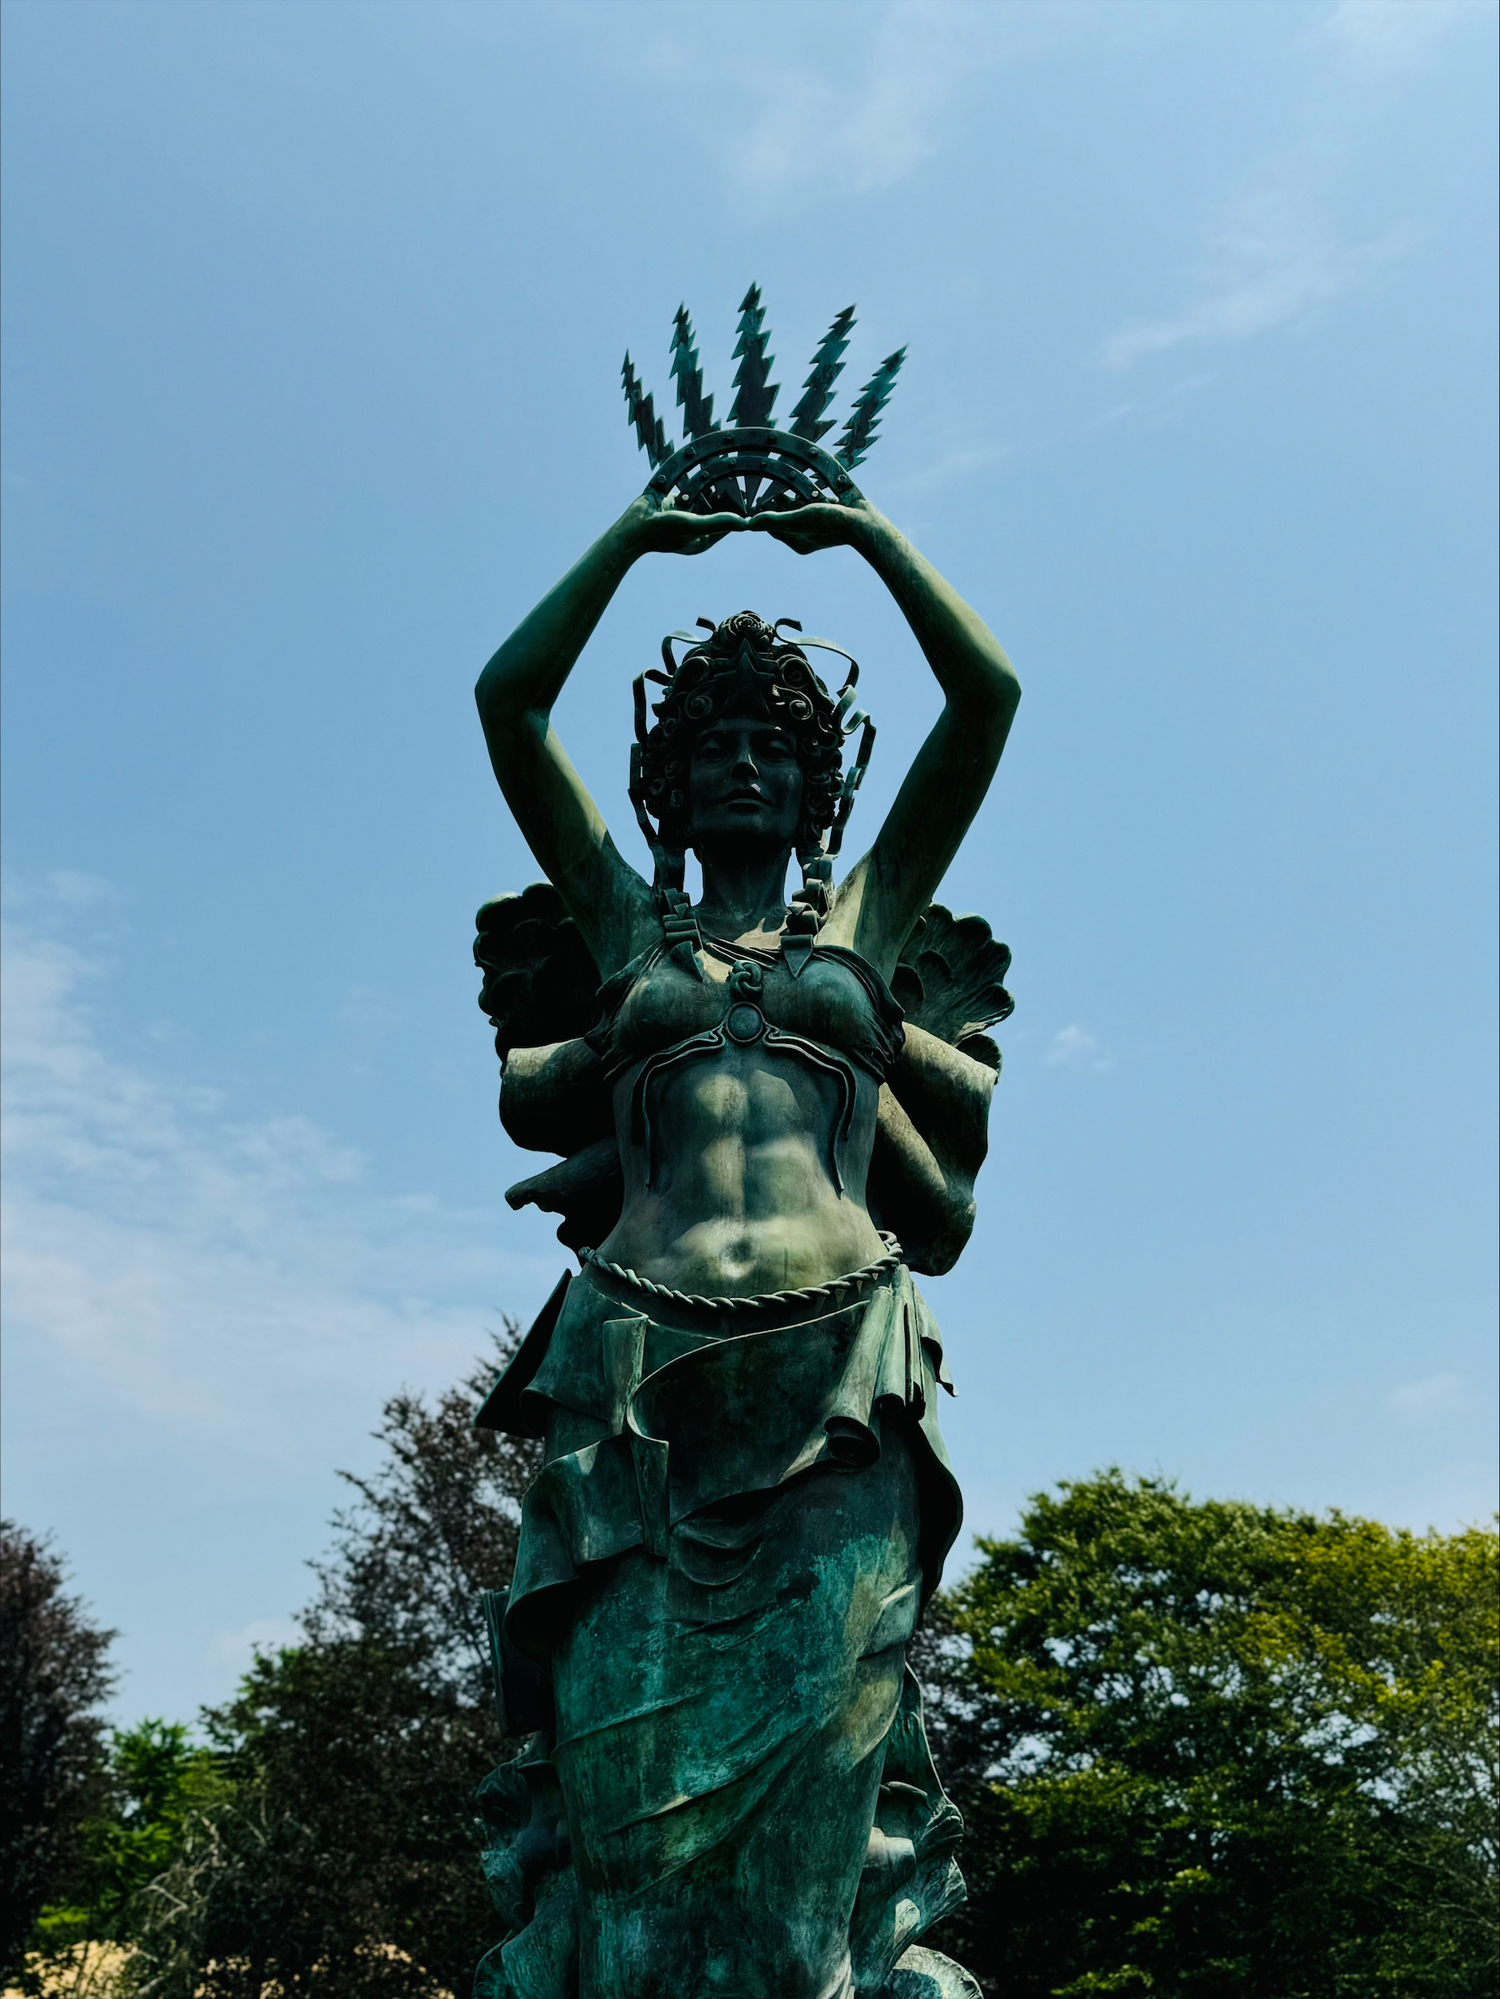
x=769 y=1115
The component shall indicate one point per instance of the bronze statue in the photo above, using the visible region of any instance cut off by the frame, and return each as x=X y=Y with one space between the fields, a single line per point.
x=770 y=1115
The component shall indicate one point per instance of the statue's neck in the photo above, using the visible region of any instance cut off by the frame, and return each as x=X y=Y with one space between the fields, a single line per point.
x=743 y=893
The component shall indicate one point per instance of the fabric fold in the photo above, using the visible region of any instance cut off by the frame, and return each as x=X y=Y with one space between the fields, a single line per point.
x=741 y=1510
x=686 y=1422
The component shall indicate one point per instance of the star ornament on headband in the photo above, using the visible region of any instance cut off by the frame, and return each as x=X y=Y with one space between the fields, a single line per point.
x=746 y=466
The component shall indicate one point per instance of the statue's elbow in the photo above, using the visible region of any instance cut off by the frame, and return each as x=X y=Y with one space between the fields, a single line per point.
x=1004 y=691
x=489 y=698
x=1008 y=685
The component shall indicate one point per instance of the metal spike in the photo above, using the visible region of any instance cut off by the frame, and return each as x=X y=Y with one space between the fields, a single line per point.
x=859 y=431
x=752 y=405
x=650 y=435
x=817 y=390
x=698 y=409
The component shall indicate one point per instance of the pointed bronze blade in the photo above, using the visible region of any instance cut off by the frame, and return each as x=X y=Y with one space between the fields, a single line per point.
x=859 y=431
x=650 y=435
x=757 y=392
x=698 y=409
x=817 y=390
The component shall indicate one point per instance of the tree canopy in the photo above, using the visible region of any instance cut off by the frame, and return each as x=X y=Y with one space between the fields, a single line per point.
x=1202 y=1748
x=342 y=1856
x=1205 y=1747
x=54 y=1677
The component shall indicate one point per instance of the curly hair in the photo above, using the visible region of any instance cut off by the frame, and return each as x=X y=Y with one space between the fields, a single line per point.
x=744 y=666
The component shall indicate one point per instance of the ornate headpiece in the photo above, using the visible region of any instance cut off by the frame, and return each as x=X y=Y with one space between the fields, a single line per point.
x=747 y=467
x=746 y=661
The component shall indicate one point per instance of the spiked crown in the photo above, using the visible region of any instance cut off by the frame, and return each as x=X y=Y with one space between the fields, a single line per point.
x=747 y=466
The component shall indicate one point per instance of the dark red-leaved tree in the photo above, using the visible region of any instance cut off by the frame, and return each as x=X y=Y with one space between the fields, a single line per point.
x=54 y=1673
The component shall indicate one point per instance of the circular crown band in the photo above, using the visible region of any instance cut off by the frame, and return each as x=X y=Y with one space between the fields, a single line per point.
x=706 y=473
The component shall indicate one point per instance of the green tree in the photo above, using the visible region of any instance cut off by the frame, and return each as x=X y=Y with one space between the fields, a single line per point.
x=154 y=1776
x=342 y=1855
x=1212 y=1748
x=54 y=1676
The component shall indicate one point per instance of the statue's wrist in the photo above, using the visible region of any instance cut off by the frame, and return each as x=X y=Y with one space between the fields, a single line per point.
x=626 y=540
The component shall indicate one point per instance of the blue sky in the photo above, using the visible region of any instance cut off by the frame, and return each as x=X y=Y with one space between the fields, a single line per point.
x=313 y=324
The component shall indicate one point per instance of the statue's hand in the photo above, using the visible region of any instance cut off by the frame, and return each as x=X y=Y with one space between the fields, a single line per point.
x=655 y=528
x=823 y=524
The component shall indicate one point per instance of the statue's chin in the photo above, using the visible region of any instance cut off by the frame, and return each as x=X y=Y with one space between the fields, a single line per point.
x=741 y=841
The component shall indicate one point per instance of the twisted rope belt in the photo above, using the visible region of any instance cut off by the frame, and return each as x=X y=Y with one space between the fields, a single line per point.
x=835 y=1292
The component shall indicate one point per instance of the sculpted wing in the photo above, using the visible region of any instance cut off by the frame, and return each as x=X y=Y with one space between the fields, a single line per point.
x=540 y=992
x=950 y=980
x=539 y=976
x=933 y=1132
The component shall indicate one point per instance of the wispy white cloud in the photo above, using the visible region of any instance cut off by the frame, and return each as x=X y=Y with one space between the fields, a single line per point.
x=1431 y=1399
x=869 y=131
x=1280 y=250
x=201 y=1269
x=1394 y=35
x=866 y=117
x=887 y=91
x=1075 y=1048
x=367 y=1011
x=1274 y=262
x=949 y=468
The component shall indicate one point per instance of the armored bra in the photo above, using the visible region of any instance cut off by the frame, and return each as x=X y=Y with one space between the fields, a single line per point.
x=564 y=1040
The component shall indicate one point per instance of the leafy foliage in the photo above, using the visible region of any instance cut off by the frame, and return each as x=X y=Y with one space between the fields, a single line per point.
x=154 y=1776
x=342 y=1856
x=1201 y=1748
x=1220 y=1749
x=436 y=1524
x=54 y=1675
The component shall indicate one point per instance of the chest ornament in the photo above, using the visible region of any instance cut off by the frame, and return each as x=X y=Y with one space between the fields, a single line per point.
x=745 y=1023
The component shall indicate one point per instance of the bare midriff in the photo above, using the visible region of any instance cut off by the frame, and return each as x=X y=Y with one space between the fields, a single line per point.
x=742 y=1184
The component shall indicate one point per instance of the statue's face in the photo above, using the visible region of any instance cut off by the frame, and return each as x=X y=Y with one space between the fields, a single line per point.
x=745 y=782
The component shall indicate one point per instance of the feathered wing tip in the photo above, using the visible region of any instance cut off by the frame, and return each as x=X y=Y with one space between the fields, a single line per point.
x=757 y=392
x=698 y=409
x=950 y=979
x=817 y=390
x=859 y=431
x=648 y=425
x=539 y=975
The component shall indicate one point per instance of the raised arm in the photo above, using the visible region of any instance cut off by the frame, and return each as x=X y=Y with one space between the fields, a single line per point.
x=884 y=894
x=559 y=821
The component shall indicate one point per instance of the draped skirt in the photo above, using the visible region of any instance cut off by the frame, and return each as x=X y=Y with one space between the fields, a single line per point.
x=742 y=1508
